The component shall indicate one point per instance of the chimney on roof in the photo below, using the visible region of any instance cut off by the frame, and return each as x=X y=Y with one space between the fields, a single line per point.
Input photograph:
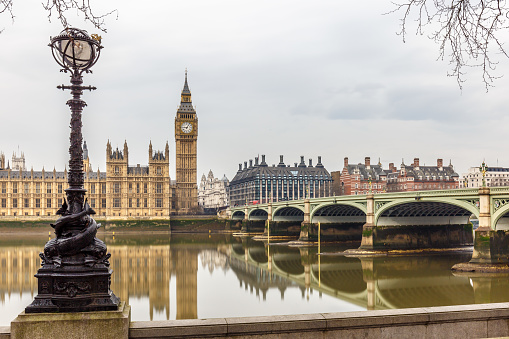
x=440 y=164
x=319 y=164
x=263 y=161
x=256 y=161
x=310 y=162
x=302 y=164
x=245 y=164
x=281 y=163
x=392 y=168
x=367 y=162
x=250 y=163
x=240 y=167
x=416 y=163
x=345 y=162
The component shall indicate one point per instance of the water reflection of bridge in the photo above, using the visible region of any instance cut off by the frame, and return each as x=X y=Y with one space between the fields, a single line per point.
x=146 y=270
x=374 y=283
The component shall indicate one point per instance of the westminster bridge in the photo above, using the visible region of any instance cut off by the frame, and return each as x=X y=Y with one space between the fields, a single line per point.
x=393 y=221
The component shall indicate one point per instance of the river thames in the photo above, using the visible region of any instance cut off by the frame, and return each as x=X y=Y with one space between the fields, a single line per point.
x=188 y=276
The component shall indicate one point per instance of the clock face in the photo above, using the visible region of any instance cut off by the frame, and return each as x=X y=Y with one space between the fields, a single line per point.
x=186 y=127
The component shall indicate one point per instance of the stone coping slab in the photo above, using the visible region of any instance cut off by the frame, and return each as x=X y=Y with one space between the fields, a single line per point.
x=486 y=318
x=5 y=332
x=321 y=322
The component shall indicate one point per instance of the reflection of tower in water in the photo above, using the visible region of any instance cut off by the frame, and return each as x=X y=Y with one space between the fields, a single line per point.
x=186 y=267
x=17 y=269
x=140 y=271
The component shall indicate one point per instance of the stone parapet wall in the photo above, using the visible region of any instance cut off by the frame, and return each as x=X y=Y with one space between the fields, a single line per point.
x=467 y=321
x=463 y=322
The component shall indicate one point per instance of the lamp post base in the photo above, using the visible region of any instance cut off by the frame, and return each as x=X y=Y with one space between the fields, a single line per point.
x=73 y=289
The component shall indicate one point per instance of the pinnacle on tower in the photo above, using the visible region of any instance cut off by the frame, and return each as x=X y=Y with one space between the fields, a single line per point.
x=186 y=90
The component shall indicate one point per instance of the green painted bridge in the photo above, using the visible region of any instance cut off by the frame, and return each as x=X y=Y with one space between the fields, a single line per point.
x=395 y=221
x=489 y=205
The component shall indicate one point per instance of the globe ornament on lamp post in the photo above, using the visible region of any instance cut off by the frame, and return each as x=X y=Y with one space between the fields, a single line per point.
x=75 y=274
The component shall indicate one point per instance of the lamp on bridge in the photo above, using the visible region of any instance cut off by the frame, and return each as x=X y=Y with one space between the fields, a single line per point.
x=483 y=168
x=75 y=274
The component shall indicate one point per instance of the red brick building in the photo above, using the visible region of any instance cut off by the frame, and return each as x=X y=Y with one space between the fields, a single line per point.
x=418 y=178
x=356 y=179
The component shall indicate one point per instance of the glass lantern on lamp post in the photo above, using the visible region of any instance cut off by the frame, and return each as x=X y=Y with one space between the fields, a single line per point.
x=75 y=274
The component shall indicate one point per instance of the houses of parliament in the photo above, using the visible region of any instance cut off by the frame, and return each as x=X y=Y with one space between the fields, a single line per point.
x=123 y=191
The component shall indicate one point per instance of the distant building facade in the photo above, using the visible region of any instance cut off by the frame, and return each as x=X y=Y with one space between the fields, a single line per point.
x=495 y=176
x=418 y=178
x=141 y=191
x=260 y=183
x=213 y=192
x=18 y=162
x=122 y=191
x=361 y=178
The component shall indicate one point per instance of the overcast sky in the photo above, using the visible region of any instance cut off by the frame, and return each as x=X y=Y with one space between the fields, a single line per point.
x=327 y=78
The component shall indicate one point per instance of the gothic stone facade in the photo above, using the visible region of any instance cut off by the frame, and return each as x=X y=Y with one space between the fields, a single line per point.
x=123 y=191
x=186 y=136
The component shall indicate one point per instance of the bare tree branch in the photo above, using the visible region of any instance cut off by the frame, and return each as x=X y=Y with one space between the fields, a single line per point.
x=60 y=8
x=6 y=7
x=465 y=30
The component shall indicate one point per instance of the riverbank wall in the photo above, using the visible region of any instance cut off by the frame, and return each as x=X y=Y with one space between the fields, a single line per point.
x=177 y=224
x=462 y=322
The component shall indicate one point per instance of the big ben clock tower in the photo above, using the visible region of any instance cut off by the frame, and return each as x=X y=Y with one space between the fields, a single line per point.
x=186 y=135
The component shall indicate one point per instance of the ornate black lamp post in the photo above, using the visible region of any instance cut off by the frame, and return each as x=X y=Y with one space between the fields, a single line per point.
x=75 y=274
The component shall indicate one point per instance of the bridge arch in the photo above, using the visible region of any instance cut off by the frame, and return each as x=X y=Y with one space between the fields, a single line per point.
x=288 y=213
x=496 y=218
x=338 y=212
x=258 y=214
x=238 y=215
x=428 y=212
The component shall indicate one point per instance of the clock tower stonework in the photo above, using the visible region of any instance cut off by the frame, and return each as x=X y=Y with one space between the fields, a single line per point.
x=186 y=136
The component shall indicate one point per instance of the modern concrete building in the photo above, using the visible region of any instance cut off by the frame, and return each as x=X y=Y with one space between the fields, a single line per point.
x=260 y=183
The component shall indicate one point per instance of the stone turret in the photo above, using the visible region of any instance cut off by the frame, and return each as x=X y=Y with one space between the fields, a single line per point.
x=86 y=160
x=126 y=152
